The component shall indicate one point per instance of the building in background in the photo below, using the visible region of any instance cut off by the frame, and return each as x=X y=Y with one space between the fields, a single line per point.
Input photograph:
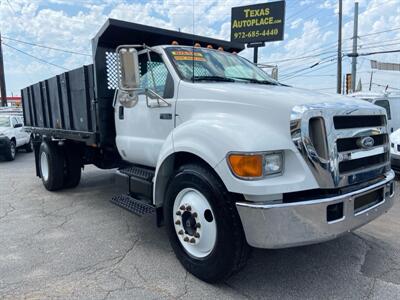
x=14 y=101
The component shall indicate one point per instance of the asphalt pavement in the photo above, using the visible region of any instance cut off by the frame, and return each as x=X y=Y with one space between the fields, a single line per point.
x=75 y=244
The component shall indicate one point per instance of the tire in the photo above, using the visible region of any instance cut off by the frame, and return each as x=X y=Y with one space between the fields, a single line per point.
x=29 y=147
x=73 y=168
x=11 y=151
x=51 y=166
x=230 y=250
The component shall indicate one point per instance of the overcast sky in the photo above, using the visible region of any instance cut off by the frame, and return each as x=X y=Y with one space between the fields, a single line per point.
x=310 y=30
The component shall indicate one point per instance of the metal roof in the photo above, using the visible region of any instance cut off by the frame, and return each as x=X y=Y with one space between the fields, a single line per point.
x=115 y=32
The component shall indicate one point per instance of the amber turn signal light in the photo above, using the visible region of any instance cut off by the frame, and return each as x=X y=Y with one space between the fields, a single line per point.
x=246 y=165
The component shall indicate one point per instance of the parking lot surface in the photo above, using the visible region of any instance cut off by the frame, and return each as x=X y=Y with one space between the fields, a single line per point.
x=76 y=244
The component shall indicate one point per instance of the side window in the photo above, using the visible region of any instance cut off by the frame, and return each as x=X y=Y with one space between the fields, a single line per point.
x=154 y=75
x=21 y=120
x=385 y=104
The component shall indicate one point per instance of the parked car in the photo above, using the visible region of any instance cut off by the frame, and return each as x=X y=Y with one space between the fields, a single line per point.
x=389 y=101
x=12 y=136
x=395 y=150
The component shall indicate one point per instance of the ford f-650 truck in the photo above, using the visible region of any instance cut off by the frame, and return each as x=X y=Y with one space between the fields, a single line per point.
x=223 y=155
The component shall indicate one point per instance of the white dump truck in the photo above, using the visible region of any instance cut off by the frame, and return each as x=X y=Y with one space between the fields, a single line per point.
x=225 y=157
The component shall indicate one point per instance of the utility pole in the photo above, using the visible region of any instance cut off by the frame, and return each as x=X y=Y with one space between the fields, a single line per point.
x=370 y=80
x=2 y=79
x=339 y=58
x=354 y=54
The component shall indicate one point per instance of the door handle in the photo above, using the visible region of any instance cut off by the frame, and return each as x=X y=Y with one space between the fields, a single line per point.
x=121 y=112
x=166 y=116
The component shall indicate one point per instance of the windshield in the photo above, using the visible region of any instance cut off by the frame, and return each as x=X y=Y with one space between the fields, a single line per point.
x=213 y=65
x=4 y=121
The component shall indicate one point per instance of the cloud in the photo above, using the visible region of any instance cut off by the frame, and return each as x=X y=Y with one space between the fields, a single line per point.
x=70 y=25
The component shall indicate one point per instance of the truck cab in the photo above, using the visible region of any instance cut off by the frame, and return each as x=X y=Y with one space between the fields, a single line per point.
x=225 y=157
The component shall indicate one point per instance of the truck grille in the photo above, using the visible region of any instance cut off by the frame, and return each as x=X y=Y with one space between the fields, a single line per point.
x=362 y=163
x=345 y=122
x=344 y=144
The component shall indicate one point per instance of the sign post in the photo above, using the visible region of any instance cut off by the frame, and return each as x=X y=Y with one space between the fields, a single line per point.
x=256 y=24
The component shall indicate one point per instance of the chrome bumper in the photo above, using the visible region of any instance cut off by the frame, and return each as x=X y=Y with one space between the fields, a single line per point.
x=301 y=223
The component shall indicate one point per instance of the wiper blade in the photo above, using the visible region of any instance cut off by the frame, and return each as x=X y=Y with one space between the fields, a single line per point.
x=212 y=78
x=252 y=80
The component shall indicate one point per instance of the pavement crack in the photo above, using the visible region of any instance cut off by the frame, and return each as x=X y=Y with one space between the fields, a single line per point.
x=10 y=209
x=236 y=290
x=371 y=290
x=185 y=287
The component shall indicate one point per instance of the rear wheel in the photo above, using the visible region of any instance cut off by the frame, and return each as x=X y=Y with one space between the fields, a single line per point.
x=73 y=168
x=203 y=225
x=51 y=162
x=11 y=151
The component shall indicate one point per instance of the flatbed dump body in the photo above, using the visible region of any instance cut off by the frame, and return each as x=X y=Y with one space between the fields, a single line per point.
x=61 y=106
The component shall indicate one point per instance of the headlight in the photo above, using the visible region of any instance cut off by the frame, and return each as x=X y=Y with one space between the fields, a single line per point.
x=252 y=166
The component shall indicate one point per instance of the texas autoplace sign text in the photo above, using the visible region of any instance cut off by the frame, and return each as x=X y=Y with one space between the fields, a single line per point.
x=258 y=23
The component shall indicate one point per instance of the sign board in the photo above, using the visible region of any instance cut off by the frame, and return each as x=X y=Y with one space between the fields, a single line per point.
x=384 y=66
x=258 y=23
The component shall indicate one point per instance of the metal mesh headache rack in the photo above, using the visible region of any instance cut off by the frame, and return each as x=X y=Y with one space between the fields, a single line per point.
x=78 y=103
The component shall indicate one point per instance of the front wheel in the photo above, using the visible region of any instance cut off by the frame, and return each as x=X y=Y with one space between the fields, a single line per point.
x=11 y=151
x=203 y=225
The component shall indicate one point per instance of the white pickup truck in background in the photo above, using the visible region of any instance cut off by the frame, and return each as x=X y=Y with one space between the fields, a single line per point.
x=13 y=136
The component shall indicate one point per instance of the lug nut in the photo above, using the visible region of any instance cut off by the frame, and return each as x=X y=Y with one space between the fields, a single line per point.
x=188 y=208
x=197 y=225
x=192 y=241
x=194 y=215
x=178 y=213
x=178 y=222
x=186 y=239
x=182 y=207
x=197 y=235
x=180 y=232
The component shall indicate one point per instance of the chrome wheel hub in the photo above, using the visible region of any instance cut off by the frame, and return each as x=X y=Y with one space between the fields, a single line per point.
x=44 y=166
x=194 y=223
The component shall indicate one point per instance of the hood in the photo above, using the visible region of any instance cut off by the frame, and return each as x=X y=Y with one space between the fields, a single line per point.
x=395 y=137
x=265 y=96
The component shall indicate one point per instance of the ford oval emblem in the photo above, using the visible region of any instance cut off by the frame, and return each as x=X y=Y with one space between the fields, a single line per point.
x=367 y=142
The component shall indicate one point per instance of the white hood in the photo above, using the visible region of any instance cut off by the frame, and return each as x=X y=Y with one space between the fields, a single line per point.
x=273 y=99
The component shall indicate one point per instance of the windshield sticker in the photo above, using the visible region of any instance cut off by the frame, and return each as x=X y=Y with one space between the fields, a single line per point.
x=188 y=55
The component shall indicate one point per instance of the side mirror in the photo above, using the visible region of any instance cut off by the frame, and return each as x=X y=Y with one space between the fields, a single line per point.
x=129 y=64
x=129 y=81
x=18 y=125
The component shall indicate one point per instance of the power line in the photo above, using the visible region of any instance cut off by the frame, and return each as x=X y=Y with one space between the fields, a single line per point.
x=313 y=70
x=378 y=52
x=330 y=45
x=323 y=60
x=379 y=32
x=35 y=57
x=46 y=47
